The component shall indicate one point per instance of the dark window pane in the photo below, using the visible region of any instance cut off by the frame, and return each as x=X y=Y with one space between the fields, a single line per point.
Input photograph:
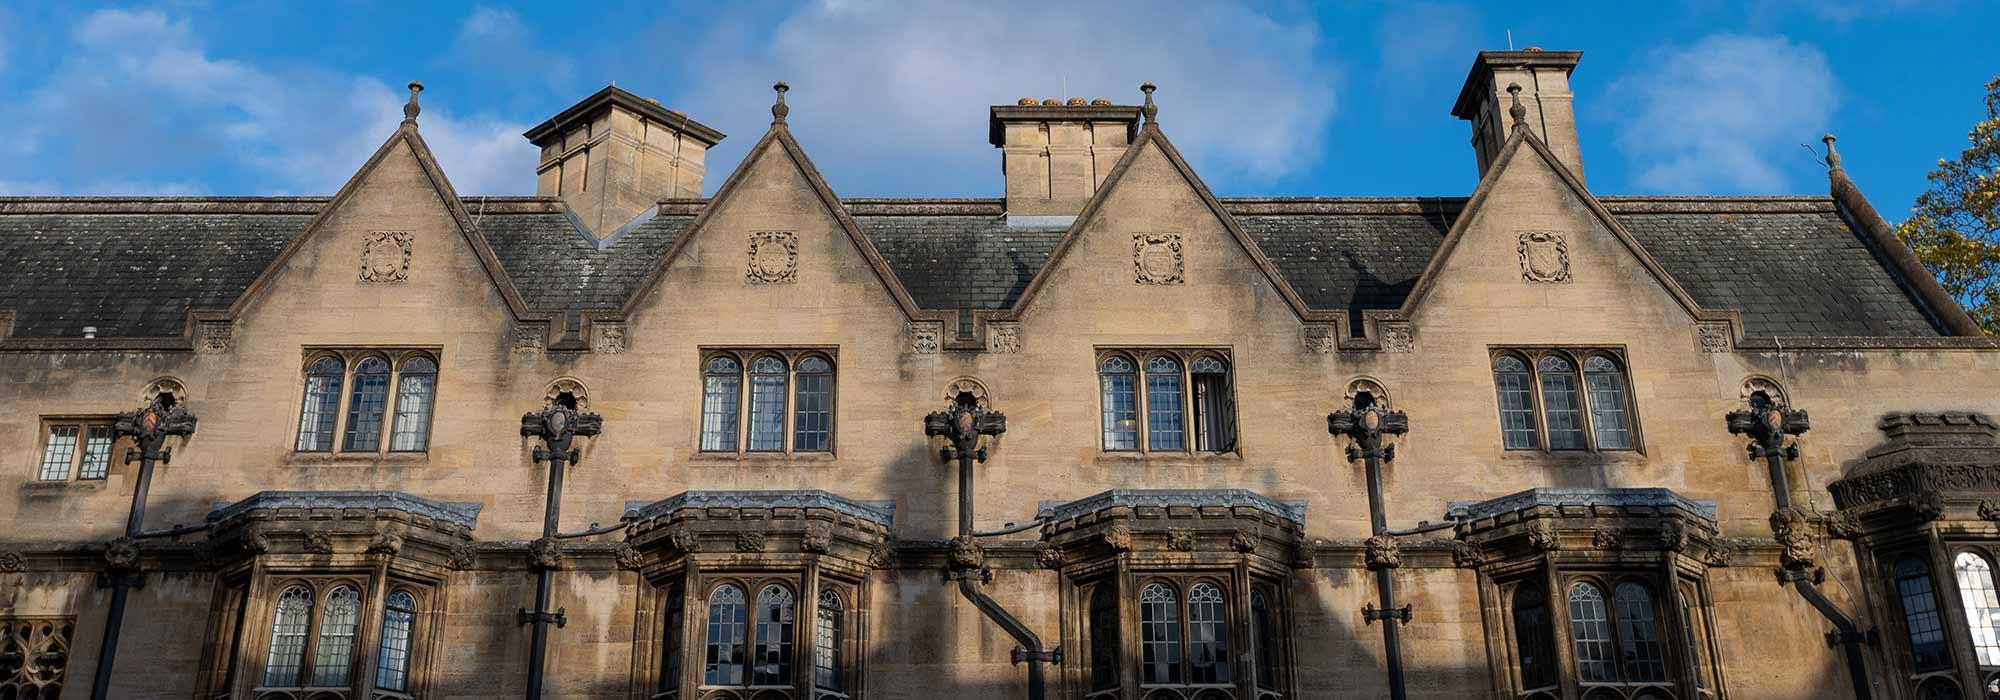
x=1561 y=409
x=1517 y=410
x=365 y=406
x=1639 y=635
x=1532 y=636
x=1165 y=423
x=670 y=665
x=1121 y=404
x=767 y=405
x=727 y=614
x=1208 y=635
x=392 y=661
x=1104 y=637
x=1214 y=420
x=812 y=420
x=1590 y=632
x=1920 y=617
x=1607 y=404
x=1160 y=636
x=773 y=664
x=1264 y=637
x=321 y=405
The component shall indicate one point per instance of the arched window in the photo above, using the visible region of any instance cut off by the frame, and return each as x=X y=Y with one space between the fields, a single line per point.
x=1920 y=617
x=1104 y=637
x=670 y=665
x=415 y=390
x=1607 y=403
x=392 y=663
x=721 y=389
x=365 y=405
x=1517 y=409
x=1165 y=425
x=1534 y=643
x=1982 y=606
x=1160 y=636
x=1117 y=384
x=1208 y=635
x=1694 y=631
x=826 y=642
x=288 y=637
x=1562 y=408
x=812 y=420
x=1590 y=633
x=774 y=637
x=767 y=404
x=321 y=405
x=333 y=657
x=727 y=614
x=1264 y=639
x=1214 y=407
x=1639 y=634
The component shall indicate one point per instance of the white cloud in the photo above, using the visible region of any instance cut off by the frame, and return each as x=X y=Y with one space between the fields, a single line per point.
x=890 y=98
x=139 y=102
x=1720 y=114
x=502 y=46
x=1844 y=11
x=1426 y=45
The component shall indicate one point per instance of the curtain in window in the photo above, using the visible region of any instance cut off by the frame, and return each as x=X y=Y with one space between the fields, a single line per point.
x=96 y=452
x=726 y=619
x=1208 y=635
x=59 y=452
x=1517 y=409
x=1562 y=408
x=334 y=653
x=1104 y=636
x=1590 y=632
x=415 y=392
x=1639 y=631
x=288 y=637
x=392 y=662
x=812 y=406
x=365 y=405
x=1166 y=426
x=774 y=637
x=1920 y=616
x=1159 y=635
x=1214 y=421
x=720 y=391
x=1982 y=606
x=1116 y=383
x=1607 y=403
x=767 y=404
x=321 y=405
x=1533 y=644
x=826 y=641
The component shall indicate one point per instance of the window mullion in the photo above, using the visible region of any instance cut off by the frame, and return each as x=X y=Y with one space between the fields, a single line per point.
x=1584 y=404
x=743 y=415
x=785 y=442
x=1141 y=410
x=1189 y=428
x=391 y=399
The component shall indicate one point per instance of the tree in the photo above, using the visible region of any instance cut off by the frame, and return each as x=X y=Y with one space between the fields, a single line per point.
x=1955 y=225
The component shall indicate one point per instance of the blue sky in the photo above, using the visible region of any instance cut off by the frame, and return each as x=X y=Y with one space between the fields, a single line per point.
x=1689 y=97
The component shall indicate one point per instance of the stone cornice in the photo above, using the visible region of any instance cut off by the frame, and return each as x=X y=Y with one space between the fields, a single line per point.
x=1056 y=511
x=881 y=513
x=464 y=515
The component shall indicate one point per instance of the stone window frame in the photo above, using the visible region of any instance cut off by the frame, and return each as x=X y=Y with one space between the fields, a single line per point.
x=349 y=358
x=1938 y=558
x=1193 y=413
x=744 y=357
x=45 y=643
x=1128 y=575
x=76 y=468
x=245 y=611
x=1576 y=356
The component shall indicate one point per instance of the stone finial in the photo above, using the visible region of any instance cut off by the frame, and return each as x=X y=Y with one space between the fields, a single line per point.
x=778 y=109
x=1832 y=156
x=1518 y=112
x=1052 y=102
x=411 y=108
x=1077 y=102
x=1152 y=111
x=1025 y=102
x=1100 y=102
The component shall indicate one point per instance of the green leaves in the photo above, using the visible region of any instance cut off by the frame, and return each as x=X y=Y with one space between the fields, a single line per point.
x=1954 y=227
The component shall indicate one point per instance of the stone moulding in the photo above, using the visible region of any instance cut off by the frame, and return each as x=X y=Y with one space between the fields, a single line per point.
x=385 y=256
x=881 y=513
x=1294 y=511
x=464 y=515
x=1580 y=497
x=1544 y=257
x=1926 y=457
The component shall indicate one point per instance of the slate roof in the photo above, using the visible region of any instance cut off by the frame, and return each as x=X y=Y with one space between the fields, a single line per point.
x=133 y=267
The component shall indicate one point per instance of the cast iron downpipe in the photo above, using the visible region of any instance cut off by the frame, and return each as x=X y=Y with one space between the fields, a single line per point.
x=962 y=426
x=1767 y=424
x=557 y=425
x=1366 y=423
x=149 y=429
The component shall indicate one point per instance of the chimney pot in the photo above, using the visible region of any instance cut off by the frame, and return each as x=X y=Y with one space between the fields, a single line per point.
x=1051 y=102
x=1100 y=102
x=90 y=331
x=1026 y=102
x=1077 y=102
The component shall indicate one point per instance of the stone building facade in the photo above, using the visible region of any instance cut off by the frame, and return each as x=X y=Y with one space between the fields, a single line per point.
x=354 y=503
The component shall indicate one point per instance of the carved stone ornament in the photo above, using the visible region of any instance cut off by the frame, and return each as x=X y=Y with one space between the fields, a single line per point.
x=1180 y=539
x=1156 y=259
x=1989 y=511
x=528 y=337
x=774 y=258
x=567 y=385
x=968 y=385
x=1843 y=525
x=216 y=336
x=964 y=553
x=1466 y=555
x=1243 y=540
x=1319 y=337
x=883 y=555
x=1605 y=539
x=925 y=337
x=1927 y=505
x=1718 y=555
x=319 y=542
x=1305 y=554
x=1003 y=337
x=627 y=557
x=1383 y=552
x=1792 y=529
x=1712 y=337
x=1118 y=538
x=1049 y=556
x=1673 y=536
x=817 y=539
x=1544 y=257
x=385 y=256
x=388 y=539
x=122 y=554
x=461 y=556
x=610 y=338
x=546 y=553
x=1542 y=536
x=749 y=542
x=684 y=541
x=1398 y=337
x=257 y=542
x=11 y=561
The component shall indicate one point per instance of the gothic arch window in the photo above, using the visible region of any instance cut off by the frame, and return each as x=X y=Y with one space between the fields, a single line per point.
x=1606 y=384
x=767 y=404
x=1534 y=645
x=347 y=395
x=670 y=658
x=1922 y=623
x=1184 y=639
x=333 y=657
x=370 y=394
x=1564 y=400
x=1562 y=406
x=1117 y=385
x=827 y=642
x=728 y=613
x=754 y=629
x=1517 y=403
x=1102 y=626
x=314 y=625
x=784 y=402
x=392 y=661
x=1982 y=605
x=288 y=637
x=773 y=662
x=722 y=381
x=812 y=422
x=1643 y=659
x=1163 y=404
x=416 y=390
x=1590 y=634
x=1160 y=635
x=1177 y=401
x=1264 y=641
x=1214 y=405
x=321 y=406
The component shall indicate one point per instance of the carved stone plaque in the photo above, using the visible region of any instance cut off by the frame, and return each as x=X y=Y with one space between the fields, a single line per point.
x=1003 y=337
x=1712 y=337
x=1544 y=257
x=385 y=256
x=1156 y=258
x=924 y=337
x=774 y=257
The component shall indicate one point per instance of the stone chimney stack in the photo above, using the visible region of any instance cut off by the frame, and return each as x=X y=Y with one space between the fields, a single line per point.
x=1544 y=80
x=1055 y=154
x=615 y=155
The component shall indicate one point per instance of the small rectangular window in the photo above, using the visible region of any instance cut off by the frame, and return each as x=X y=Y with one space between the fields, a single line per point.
x=79 y=448
x=96 y=453
x=59 y=452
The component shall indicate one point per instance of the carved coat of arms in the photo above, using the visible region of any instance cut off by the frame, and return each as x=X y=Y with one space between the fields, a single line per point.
x=774 y=257
x=385 y=256
x=1156 y=258
x=1544 y=257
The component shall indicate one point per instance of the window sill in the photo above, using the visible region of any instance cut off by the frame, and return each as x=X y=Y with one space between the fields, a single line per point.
x=762 y=459
x=38 y=487
x=1168 y=459
x=357 y=459
x=1573 y=459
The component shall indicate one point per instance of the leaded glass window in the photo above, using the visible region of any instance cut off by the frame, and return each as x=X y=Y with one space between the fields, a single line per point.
x=1921 y=620
x=289 y=623
x=1590 y=634
x=722 y=382
x=366 y=404
x=1160 y=635
x=812 y=421
x=1639 y=634
x=727 y=619
x=1607 y=403
x=1533 y=644
x=826 y=641
x=1517 y=410
x=767 y=404
x=1264 y=640
x=1103 y=630
x=59 y=452
x=1982 y=606
x=1117 y=384
x=333 y=657
x=774 y=637
x=670 y=664
x=321 y=406
x=392 y=661
x=96 y=452
x=1165 y=424
x=1208 y=635
x=1562 y=409
x=416 y=389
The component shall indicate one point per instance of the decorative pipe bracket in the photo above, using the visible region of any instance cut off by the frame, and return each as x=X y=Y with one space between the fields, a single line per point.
x=1366 y=426
x=963 y=425
x=1837 y=638
x=560 y=617
x=1053 y=656
x=1370 y=614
